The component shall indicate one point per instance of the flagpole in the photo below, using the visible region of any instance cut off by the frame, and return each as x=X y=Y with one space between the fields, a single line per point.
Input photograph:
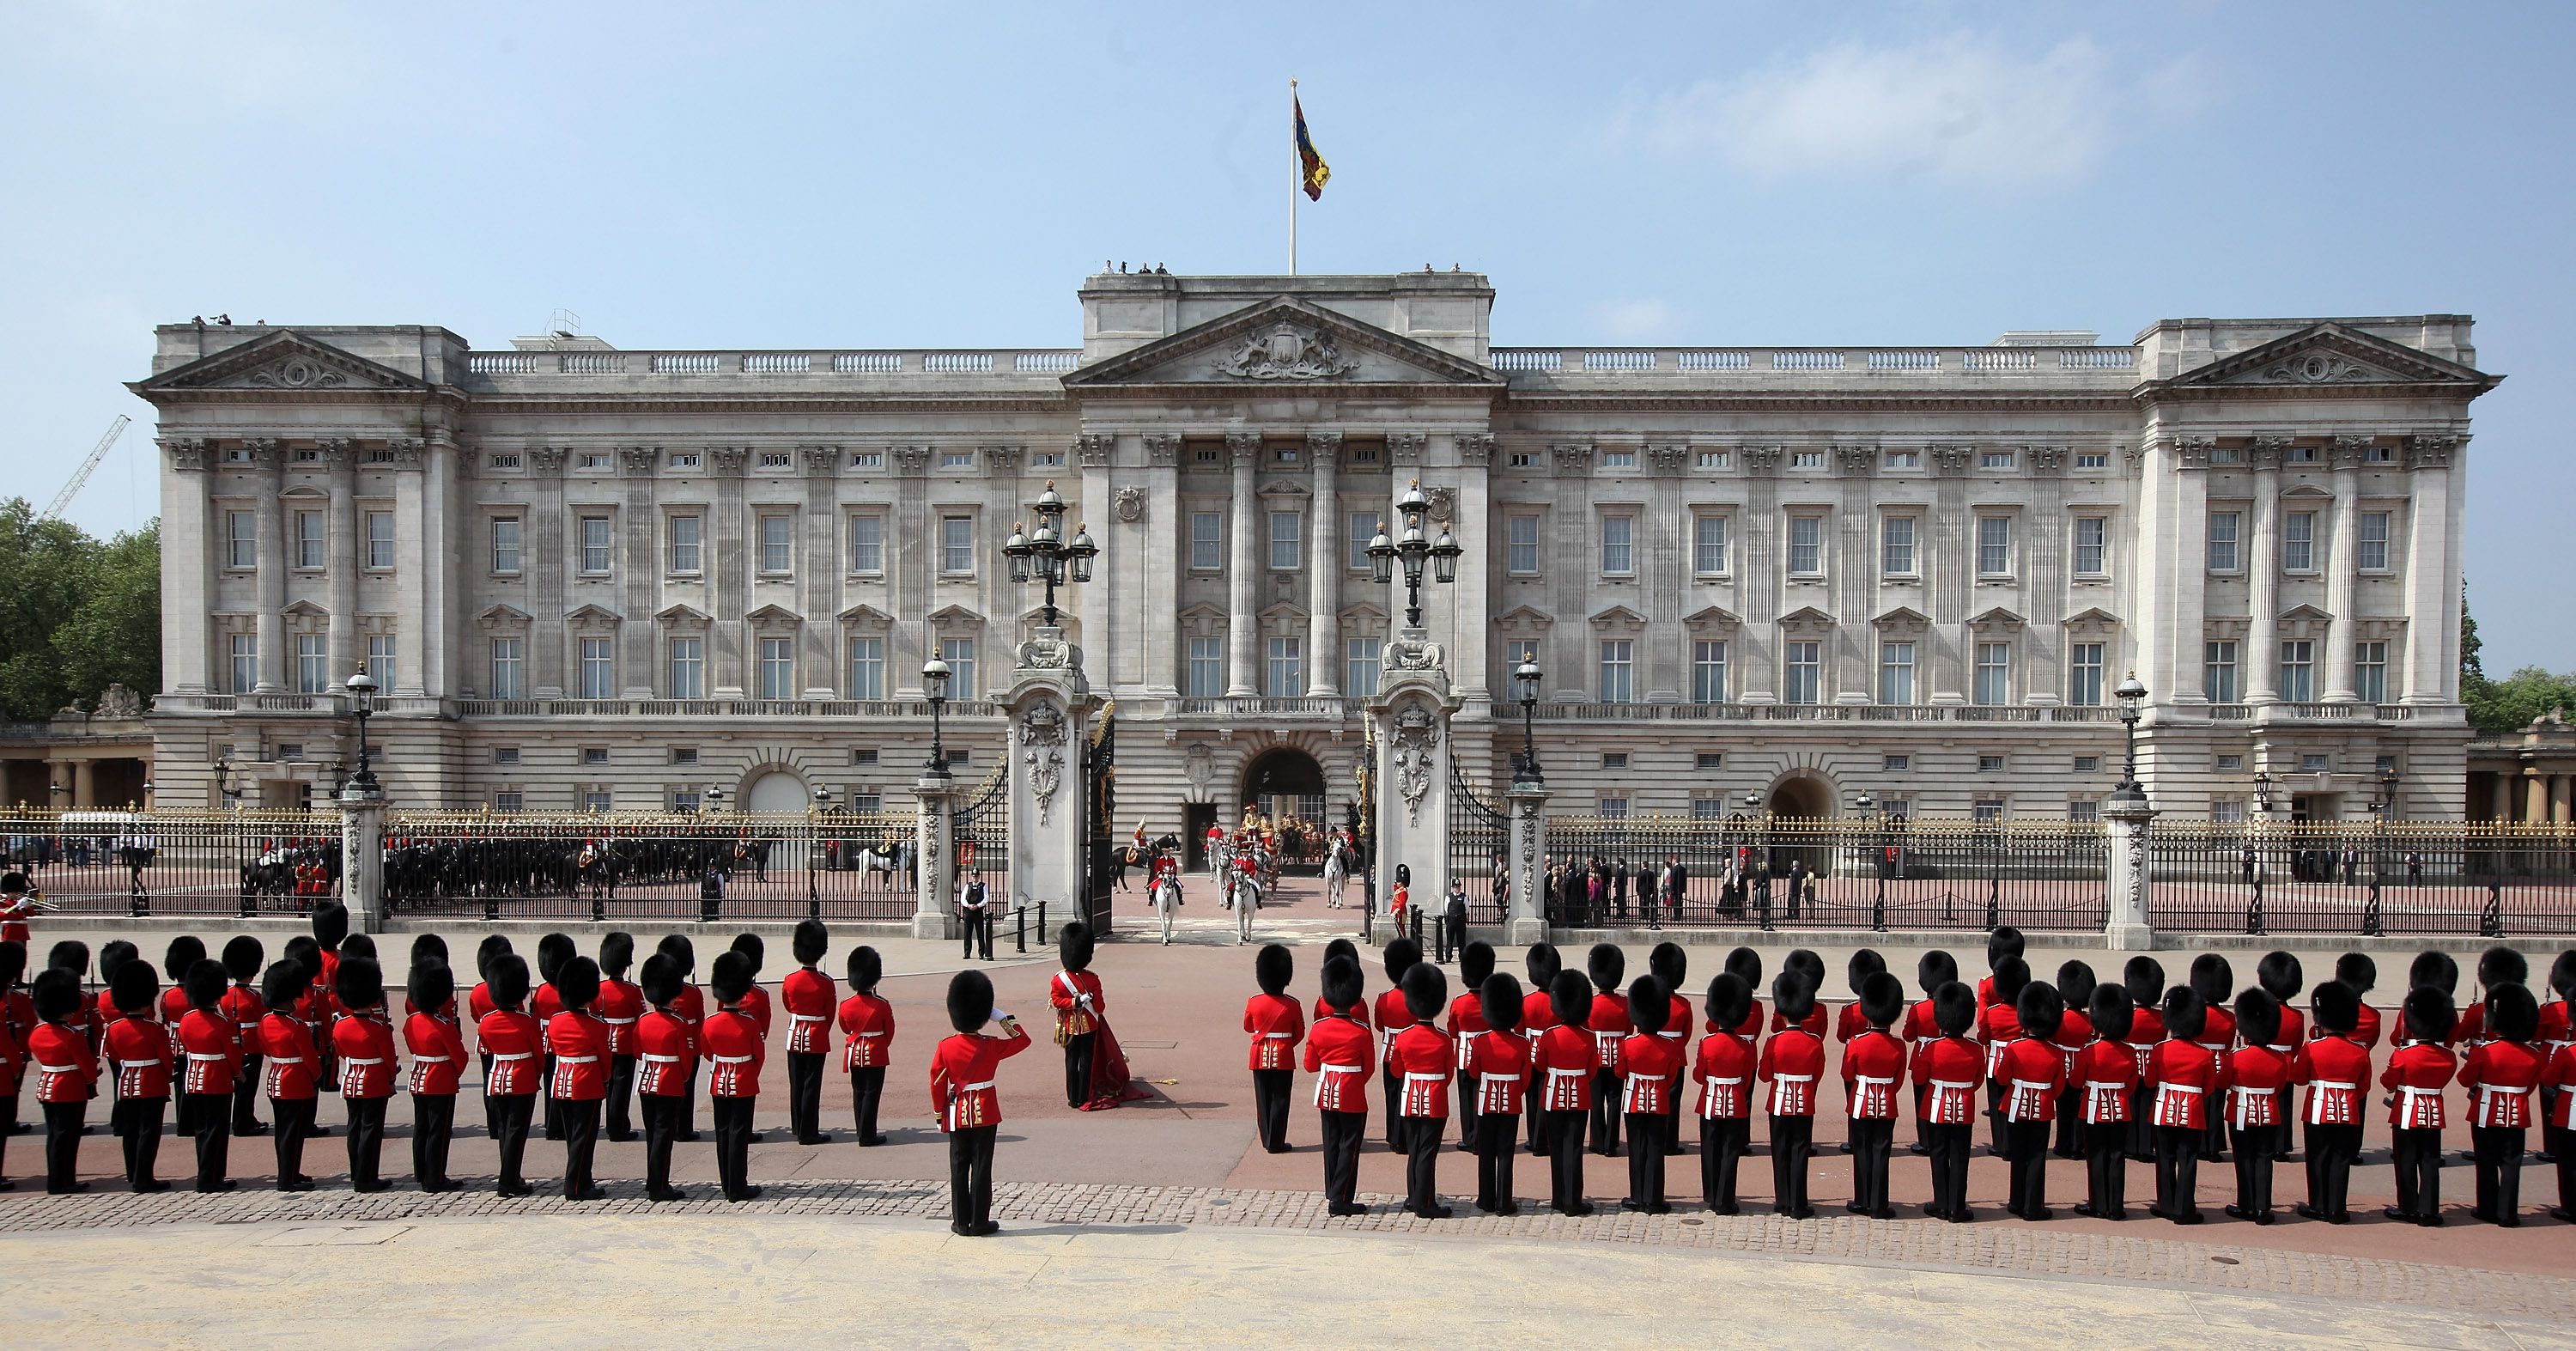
x=1298 y=169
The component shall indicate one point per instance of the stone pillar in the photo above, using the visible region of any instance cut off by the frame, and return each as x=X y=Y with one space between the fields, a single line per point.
x=2263 y=576
x=1324 y=569
x=1242 y=571
x=1049 y=706
x=270 y=515
x=935 y=856
x=2343 y=556
x=1527 y=922
x=362 y=856
x=2126 y=819
x=1411 y=716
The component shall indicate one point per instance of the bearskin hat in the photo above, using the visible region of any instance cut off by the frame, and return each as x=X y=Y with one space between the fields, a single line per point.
x=1073 y=946
x=69 y=955
x=2430 y=1014
x=732 y=976
x=1864 y=963
x=577 y=982
x=429 y=948
x=2212 y=979
x=2112 y=1012
x=506 y=983
x=2005 y=941
x=1934 y=970
x=2496 y=966
x=2144 y=979
x=359 y=982
x=1793 y=997
x=2041 y=1010
x=2185 y=1014
x=1882 y=999
x=750 y=946
x=1426 y=992
x=1805 y=962
x=133 y=986
x=1607 y=965
x=616 y=952
x=970 y=998
x=1669 y=964
x=184 y=951
x=305 y=951
x=1399 y=956
x=2075 y=984
x=2435 y=969
x=1499 y=999
x=2562 y=974
x=432 y=985
x=1954 y=1009
x=204 y=984
x=2512 y=1014
x=1475 y=962
x=1541 y=963
x=284 y=982
x=1570 y=997
x=2335 y=1006
x=2357 y=970
x=1272 y=968
x=2258 y=1018
x=58 y=994
x=491 y=949
x=243 y=957
x=1745 y=965
x=810 y=941
x=2011 y=976
x=1650 y=1005
x=115 y=953
x=661 y=980
x=1342 y=985
x=330 y=925
x=866 y=969
x=553 y=951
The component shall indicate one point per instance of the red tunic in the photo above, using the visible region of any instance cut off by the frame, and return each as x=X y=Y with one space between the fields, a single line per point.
x=1078 y=1000
x=292 y=1064
x=2104 y=1073
x=2032 y=1072
x=1610 y=1026
x=963 y=1070
x=1561 y=1069
x=2417 y=1073
x=734 y=1052
x=1949 y=1069
x=1650 y=1071
x=1497 y=1072
x=1724 y=1068
x=619 y=1004
x=807 y=998
x=1792 y=1061
x=2336 y=1070
x=867 y=1027
x=1275 y=1023
x=1424 y=1062
x=213 y=1051
x=2500 y=1077
x=138 y=1049
x=2184 y=1076
x=66 y=1071
x=2256 y=1079
x=1338 y=1052
x=1392 y=1019
x=512 y=1039
x=368 y=1065
x=666 y=1054
x=437 y=1055
x=1873 y=1069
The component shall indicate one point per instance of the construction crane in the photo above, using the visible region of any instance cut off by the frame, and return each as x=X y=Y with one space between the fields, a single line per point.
x=97 y=453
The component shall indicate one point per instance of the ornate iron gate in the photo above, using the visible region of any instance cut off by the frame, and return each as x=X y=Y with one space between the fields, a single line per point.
x=1099 y=816
x=1480 y=841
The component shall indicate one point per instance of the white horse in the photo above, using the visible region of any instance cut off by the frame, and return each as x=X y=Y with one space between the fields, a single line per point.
x=1337 y=873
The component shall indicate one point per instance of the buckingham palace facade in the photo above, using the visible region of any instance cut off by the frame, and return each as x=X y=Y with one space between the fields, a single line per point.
x=597 y=579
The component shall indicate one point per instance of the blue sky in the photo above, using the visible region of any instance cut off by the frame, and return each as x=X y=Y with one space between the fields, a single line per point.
x=932 y=174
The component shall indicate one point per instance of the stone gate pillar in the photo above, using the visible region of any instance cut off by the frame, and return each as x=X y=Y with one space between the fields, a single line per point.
x=1527 y=922
x=934 y=855
x=362 y=855
x=2125 y=816
x=1050 y=707
x=1410 y=715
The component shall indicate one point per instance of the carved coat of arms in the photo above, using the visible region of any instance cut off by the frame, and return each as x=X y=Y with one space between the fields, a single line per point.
x=1286 y=352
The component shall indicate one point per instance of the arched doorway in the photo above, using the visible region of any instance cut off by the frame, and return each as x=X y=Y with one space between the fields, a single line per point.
x=1286 y=785
x=779 y=791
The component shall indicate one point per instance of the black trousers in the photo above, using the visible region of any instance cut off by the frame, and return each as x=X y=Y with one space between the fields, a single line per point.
x=510 y=1116
x=246 y=1096
x=618 y=1114
x=2417 y=1156
x=210 y=1116
x=1646 y=1161
x=1793 y=1139
x=733 y=1145
x=580 y=1117
x=1422 y=1137
x=1077 y=1069
x=2331 y=1152
x=970 y=1175
x=1496 y=1142
x=2499 y=1165
x=1605 y=1112
x=366 y=1140
x=2026 y=1145
x=138 y=1128
x=64 y=1122
x=292 y=1125
x=805 y=1096
x=867 y=1089
x=1722 y=1142
x=1270 y=1106
x=433 y=1128
x=663 y=1118
x=2106 y=1169
x=2178 y=1171
x=1948 y=1145
x=1564 y=1134
x=1343 y=1132
x=1872 y=1140
x=2257 y=1147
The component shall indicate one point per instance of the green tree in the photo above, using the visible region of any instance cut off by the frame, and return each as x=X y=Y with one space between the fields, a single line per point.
x=76 y=612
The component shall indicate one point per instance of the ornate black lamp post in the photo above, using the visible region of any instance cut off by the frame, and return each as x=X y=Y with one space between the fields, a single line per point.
x=1525 y=685
x=1414 y=547
x=1047 y=554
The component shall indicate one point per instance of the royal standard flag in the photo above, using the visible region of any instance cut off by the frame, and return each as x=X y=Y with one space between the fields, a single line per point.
x=1312 y=172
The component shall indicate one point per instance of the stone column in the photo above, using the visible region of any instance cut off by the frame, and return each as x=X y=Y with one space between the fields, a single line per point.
x=2263 y=575
x=362 y=856
x=269 y=512
x=1527 y=922
x=2343 y=555
x=934 y=796
x=1049 y=706
x=1243 y=571
x=2126 y=819
x=1411 y=714
x=1324 y=570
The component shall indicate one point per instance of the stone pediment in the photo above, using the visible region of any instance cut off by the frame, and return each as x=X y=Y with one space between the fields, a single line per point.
x=283 y=362
x=1283 y=343
x=2332 y=356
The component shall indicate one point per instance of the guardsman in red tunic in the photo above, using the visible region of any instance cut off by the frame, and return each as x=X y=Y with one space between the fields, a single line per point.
x=2501 y=1074
x=735 y=1054
x=1949 y=1067
x=1079 y=1001
x=66 y=1074
x=293 y=1063
x=2280 y=975
x=1338 y=1051
x=1542 y=963
x=963 y=1071
x=2144 y=978
x=1276 y=1023
x=1793 y=1060
x=1608 y=1021
x=511 y=1041
x=1496 y=1073
x=666 y=1050
x=138 y=1053
x=1424 y=1061
x=1671 y=965
x=1873 y=1072
x=1999 y=1026
x=2033 y=1072
x=579 y=1041
x=1399 y=956
x=544 y=1002
x=621 y=1004
x=437 y=1071
x=2337 y=1071
x=2258 y=1084
x=1465 y=1023
x=1724 y=1067
x=2184 y=1078
x=867 y=1028
x=368 y=1067
x=1649 y=1070
x=2105 y=1076
x=1562 y=1068
x=2075 y=985
x=807 y=995
x=210 y=1054
x=2419 y=1069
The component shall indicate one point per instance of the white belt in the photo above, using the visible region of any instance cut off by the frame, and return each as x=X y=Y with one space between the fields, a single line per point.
x=513 y=1055
x=560 y=1060
x=730 y=1059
